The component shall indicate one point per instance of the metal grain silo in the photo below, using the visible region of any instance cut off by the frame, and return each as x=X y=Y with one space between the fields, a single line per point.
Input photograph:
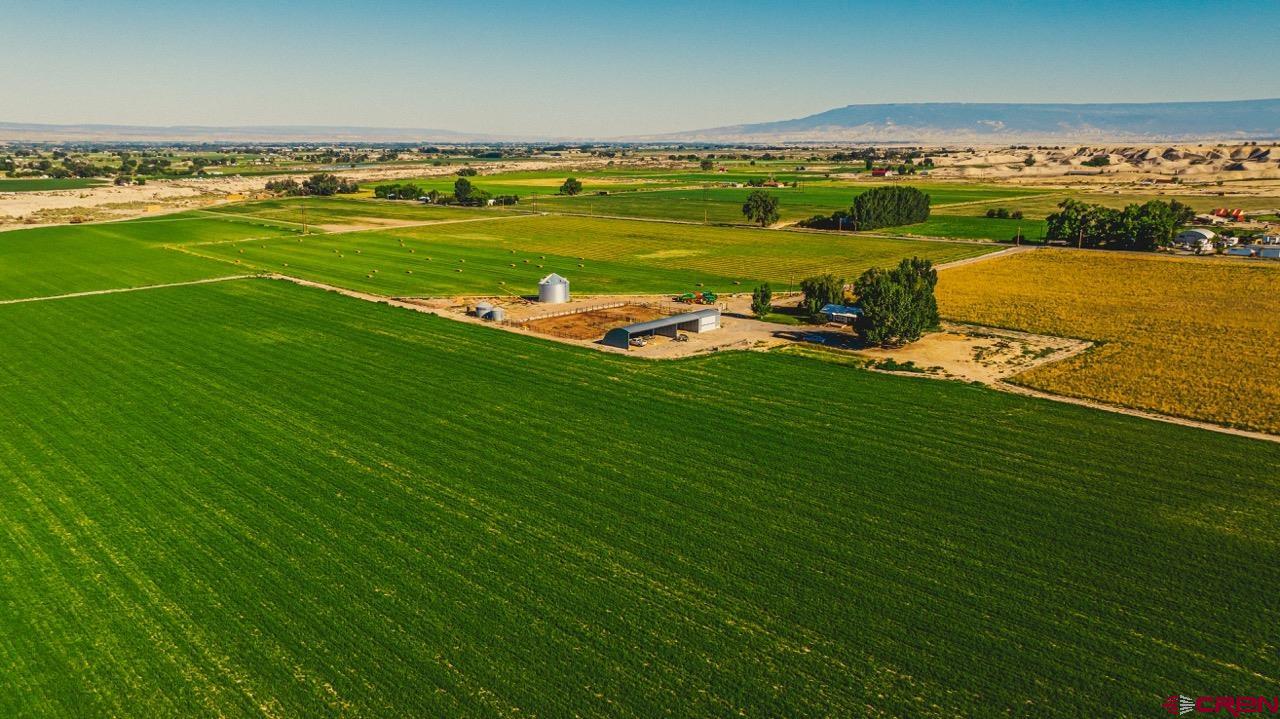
x=497 y=314
x=553 y=289
x=483 y=308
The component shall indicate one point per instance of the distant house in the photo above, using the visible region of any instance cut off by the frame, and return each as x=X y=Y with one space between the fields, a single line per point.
x=843 y=314
x=879 y=172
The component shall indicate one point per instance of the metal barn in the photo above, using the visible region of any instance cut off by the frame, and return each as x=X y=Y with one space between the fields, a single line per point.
x=699 y=321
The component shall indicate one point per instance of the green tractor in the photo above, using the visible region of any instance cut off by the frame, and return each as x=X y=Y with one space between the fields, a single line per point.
x=696 y=298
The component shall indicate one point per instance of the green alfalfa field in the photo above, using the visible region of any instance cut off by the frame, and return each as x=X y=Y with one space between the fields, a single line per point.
x=251 y=498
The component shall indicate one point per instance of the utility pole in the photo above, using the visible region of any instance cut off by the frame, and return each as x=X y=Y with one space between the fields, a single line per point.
x=1080 y=239
x=1017 y=238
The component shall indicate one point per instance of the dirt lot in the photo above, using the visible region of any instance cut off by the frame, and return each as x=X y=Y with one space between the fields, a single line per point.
x=982 y=354
x=593 y=324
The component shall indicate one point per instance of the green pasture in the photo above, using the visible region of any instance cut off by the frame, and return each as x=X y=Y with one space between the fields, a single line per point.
x=23 y=184
x=971 y=228
x=252 y=498
x=597 y=255
x=48 y=261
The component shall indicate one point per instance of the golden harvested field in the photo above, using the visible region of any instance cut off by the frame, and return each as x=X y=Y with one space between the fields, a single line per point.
x=1193 y=337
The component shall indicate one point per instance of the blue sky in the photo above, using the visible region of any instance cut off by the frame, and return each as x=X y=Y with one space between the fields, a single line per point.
x=607 y=68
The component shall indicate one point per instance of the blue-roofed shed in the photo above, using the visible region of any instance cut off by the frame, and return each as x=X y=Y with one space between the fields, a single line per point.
x=844 y=314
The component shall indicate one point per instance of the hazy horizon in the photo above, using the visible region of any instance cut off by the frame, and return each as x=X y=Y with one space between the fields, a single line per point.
x=584 y=70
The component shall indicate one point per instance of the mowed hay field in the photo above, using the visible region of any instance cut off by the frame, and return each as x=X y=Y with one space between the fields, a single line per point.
x=1191 y=337
x=617 y=256
x=254 y=498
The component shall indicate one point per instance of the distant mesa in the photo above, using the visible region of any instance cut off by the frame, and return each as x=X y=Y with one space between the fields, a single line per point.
x=1002 y=123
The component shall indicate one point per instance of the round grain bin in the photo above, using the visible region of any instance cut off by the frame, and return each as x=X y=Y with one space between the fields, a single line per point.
x=553 y=289
x=483 y=308
x=497 y=314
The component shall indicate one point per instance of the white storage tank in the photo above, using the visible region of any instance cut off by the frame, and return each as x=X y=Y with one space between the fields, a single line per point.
x=483 y=309
x=553 y=289
x=497 y=314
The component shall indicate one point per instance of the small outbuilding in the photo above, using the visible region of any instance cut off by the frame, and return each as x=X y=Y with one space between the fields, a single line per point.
x=843 y=314
x=553 y=289
x=695 y=322
x=1194 y=236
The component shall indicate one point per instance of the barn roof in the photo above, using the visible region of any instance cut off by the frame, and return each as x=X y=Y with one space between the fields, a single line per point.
x=669 y=320
x=834 y=309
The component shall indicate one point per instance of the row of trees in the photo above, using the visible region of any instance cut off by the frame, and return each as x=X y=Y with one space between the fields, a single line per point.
x=1003 y=213
x=464 y=193
x=1137 y=227
x=321 y=184
x=400 y=191
x=873 y=209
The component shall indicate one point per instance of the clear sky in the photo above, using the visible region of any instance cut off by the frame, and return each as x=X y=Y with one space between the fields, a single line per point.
x=608 y=68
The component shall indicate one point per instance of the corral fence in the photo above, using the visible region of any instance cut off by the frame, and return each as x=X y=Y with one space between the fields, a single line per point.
x=660 y=307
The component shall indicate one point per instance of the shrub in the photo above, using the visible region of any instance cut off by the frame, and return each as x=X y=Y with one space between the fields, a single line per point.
x=571 y=186
x=762 y=300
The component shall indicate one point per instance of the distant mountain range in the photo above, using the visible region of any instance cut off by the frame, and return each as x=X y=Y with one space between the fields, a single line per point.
x=950 y=122
x=921 y=123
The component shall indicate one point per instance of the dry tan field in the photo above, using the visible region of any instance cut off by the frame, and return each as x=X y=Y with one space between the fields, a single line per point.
x=1190 y=337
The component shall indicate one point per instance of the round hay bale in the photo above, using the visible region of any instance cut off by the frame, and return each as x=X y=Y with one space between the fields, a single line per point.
x=458 y=270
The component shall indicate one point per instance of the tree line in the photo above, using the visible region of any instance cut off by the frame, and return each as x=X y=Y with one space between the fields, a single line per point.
x=1137 y=227
x=464 y=193
x=873 y=209
x=321 y=184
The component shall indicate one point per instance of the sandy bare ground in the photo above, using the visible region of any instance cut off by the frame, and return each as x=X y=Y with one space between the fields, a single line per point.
x=980 y=354
x=112 y=202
